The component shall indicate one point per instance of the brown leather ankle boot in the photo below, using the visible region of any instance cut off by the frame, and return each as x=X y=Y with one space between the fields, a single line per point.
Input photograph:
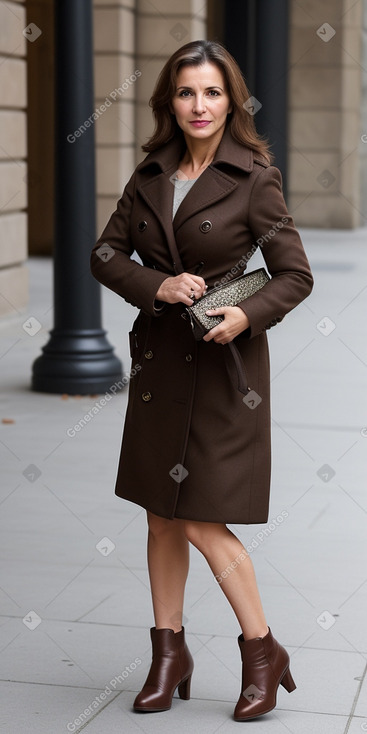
x=265 y=665
x=172 y=666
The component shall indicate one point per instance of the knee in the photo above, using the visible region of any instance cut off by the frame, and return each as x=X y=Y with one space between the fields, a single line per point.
x=159 y=526
x=191 y=531
x=202 y=534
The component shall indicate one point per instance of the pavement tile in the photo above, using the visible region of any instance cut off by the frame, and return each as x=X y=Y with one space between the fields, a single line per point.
x=43 y=709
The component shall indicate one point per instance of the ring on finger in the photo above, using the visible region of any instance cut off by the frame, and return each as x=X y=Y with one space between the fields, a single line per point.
x=192 y=295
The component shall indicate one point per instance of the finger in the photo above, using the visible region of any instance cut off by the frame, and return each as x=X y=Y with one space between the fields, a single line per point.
x=193 y=285
x=190 y=280
x=217 y=311
x=194 y=291
x=221 y=337
x=187 y=300
x=198 y=281
x=212 y=334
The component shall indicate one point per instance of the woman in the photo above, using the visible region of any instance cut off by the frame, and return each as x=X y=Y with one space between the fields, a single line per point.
x=195 y=454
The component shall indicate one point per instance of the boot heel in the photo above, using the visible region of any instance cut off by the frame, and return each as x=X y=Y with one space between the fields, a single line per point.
x=287 y=681
x=184 y=688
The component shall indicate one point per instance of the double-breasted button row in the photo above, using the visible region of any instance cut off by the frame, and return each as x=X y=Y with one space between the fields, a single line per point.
x=204 y=227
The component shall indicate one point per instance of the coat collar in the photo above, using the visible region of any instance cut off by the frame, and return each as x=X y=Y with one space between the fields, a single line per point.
x=229 y=151
x=213 y=184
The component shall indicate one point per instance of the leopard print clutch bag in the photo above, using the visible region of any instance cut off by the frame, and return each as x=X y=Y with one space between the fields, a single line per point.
x=228 y=294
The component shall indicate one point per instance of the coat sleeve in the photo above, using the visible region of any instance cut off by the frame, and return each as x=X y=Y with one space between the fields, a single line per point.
x=111 y=264
x=274 y=231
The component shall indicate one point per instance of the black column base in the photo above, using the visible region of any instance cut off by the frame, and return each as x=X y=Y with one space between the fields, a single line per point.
x=76 y=362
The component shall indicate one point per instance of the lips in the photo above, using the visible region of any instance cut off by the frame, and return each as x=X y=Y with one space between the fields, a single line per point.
x=199 y=123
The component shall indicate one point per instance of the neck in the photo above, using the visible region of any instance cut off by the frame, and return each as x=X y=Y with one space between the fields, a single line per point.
x=200 y=153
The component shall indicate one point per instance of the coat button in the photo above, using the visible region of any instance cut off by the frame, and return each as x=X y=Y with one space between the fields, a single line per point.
x=142 y=225
x=205 y=226
x=188 y=358
x=148 y=354
x=146 y=396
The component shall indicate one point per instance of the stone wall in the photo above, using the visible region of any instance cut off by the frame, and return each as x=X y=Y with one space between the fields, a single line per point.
x=13 y=186
x=161 y=29
x=114 y=65
x=324 y=113
x=132 y=40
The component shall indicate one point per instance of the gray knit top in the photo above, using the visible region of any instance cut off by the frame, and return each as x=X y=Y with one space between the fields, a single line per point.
x=181 y=189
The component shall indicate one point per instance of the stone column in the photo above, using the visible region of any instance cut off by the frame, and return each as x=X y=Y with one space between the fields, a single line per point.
x=78 y=357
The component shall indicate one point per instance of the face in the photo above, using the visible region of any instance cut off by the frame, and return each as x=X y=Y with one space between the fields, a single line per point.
x=201 y=103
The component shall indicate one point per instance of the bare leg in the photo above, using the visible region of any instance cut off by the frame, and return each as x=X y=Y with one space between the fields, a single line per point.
x=168 y=564
x=220 y=547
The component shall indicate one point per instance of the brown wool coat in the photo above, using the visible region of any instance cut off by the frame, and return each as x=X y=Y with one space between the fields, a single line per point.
x=183 y=407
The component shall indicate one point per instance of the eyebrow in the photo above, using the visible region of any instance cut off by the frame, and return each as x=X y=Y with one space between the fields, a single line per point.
x=215 y=86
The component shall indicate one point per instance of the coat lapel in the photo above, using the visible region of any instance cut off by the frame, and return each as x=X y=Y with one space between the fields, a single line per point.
x=210 y=187
x=213 y=185
x=157 y=192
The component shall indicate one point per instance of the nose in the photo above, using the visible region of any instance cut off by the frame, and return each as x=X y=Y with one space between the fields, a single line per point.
x=199 y=104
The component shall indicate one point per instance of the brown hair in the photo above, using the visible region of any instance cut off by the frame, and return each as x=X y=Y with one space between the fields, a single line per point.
x=196 y=53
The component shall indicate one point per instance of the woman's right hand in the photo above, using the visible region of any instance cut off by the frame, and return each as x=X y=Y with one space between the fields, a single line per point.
x=184 y=288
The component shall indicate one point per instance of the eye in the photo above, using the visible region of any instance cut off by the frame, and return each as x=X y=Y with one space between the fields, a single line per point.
x=213 y=92
x=184 y=93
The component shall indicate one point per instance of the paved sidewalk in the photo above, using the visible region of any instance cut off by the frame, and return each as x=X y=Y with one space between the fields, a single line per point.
x=75 y=601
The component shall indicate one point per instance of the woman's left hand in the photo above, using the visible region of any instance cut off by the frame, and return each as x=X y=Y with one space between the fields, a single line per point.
x=235 y=321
